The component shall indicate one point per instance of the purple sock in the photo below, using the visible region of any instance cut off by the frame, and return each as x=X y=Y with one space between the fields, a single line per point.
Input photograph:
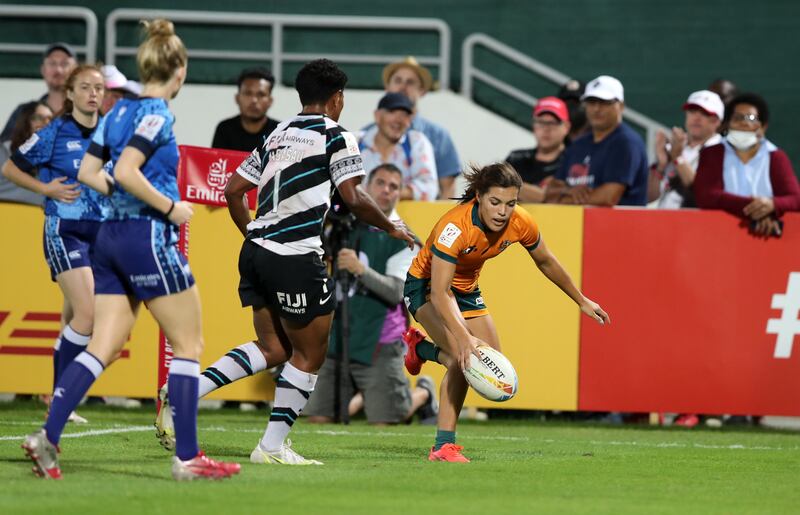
x=56 y=352
x=72 y=344
x=182 y=387
x=73 y=384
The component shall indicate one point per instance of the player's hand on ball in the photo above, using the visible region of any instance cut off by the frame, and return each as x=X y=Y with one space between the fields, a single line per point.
x=465 y=349
x=57 y=190
x=181 y=212
x=594 y=310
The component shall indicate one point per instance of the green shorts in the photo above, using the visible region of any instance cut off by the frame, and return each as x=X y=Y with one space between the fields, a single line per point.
x=417 y=293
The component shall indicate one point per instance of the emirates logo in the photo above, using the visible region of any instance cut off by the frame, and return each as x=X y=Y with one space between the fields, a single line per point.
x=218 y=175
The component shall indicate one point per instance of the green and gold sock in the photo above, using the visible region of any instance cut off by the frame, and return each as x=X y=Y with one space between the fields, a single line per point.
x=428 y=351
x=443 y=437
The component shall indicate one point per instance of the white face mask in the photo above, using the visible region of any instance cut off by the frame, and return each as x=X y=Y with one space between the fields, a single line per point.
x=742 y=140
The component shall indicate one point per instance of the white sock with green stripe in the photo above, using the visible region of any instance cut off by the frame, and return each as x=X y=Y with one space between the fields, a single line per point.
x=292 y=390
x=242 y=361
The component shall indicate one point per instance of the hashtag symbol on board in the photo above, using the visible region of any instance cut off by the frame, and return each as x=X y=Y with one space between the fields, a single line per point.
x=788 y=325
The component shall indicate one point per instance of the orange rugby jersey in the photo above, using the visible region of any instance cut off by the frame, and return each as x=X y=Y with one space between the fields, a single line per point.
x=461 y=238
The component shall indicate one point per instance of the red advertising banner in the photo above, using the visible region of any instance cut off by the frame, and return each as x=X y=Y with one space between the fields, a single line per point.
x=204 y=173
x=705 y=317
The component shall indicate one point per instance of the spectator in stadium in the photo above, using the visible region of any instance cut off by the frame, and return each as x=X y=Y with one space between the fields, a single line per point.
x=378 y=266
x=608 y=166
x=672 y=176
x=58 y=62
x=726 y=89
x=390 y=140
x=537 y=165
x=117 y=87
x=32 y=117
x=747 y=175
x=571 y=93
x=414 y=81
x=251 y=126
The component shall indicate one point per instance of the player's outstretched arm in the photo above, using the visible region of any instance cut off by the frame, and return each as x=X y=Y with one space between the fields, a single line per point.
x=128 y=173
x=92 y=174
x=235 y=192
x=366 y=210
x=553 y=270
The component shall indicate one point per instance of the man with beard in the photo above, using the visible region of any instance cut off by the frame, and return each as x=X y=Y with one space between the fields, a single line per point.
x=251 y=126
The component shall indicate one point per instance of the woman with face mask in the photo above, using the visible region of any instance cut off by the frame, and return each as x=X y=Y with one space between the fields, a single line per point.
x=747 y=175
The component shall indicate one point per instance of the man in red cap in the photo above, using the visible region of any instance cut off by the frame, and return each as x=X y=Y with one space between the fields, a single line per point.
x=537 y=165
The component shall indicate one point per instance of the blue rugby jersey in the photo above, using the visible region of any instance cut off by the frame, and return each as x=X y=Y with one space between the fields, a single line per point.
x=56 y=151
x=145 y=124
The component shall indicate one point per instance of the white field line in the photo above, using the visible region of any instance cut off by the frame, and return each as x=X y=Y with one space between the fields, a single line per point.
x=363 y=433
x=93 y=432
x=117 y=429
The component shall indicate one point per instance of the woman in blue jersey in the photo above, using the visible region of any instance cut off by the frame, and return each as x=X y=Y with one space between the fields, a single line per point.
x=136 y=257
x=72 y=212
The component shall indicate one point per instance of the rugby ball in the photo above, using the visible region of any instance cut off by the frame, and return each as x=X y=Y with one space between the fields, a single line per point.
x=492 y=376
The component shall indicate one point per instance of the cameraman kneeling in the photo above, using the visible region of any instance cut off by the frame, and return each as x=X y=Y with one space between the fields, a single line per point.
x=376 y=320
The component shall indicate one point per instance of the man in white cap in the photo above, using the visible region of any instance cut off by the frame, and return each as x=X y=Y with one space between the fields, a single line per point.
x=608 y=165
x=678 y=153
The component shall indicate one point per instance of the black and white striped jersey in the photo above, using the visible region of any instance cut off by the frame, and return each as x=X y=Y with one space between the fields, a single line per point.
x=294 y=171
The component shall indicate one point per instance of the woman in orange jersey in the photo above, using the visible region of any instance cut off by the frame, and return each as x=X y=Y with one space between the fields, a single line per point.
x=442 y=293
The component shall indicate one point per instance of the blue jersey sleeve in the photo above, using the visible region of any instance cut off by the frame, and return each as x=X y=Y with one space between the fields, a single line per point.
x=97 y=146
x=152 y=128
x=37 y=150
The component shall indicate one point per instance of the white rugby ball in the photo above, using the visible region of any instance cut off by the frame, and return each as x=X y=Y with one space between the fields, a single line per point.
x=492 y=376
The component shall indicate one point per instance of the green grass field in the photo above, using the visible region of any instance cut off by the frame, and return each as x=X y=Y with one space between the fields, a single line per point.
x=518 y=467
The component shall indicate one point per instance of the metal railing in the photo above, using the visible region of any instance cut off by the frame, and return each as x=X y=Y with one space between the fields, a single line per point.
x=469 y=73
x=89 y=49
x=277 y=23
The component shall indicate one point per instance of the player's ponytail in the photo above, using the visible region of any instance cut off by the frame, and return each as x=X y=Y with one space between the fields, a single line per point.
x=479 y=180
x=161 y=53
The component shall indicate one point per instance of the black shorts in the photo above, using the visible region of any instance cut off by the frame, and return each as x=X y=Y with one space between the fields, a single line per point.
x=298 y=286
